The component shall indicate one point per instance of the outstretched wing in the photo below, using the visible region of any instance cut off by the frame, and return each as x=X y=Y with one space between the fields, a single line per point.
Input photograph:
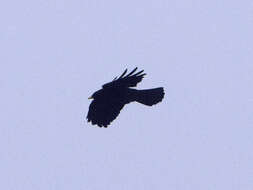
x=103 y=112
x=130 y=80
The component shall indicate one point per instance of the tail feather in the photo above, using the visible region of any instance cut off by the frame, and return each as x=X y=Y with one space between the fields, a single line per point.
x=149 y=97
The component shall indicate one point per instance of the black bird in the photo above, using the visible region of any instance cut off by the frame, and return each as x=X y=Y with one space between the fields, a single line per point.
x=108 y=101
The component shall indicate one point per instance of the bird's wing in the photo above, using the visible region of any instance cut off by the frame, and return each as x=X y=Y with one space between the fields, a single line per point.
x=103 y=112
x=130 y=80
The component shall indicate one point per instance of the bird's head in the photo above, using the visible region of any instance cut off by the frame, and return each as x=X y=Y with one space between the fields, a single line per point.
x=95 y=94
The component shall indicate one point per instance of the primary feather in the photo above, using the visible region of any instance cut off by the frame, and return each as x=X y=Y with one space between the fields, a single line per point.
x=128 y=81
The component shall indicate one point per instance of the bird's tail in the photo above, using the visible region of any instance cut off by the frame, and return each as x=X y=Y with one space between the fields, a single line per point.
x=149 y=97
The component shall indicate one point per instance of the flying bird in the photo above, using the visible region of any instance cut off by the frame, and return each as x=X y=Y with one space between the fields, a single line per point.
x=108 y=101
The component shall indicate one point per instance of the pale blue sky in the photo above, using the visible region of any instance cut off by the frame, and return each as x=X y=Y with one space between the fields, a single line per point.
x=55 y=54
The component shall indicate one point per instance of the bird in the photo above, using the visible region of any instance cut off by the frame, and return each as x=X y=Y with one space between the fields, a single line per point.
x=113 y=96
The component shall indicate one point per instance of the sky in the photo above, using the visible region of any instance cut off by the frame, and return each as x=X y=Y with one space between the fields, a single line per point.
x=55 y=54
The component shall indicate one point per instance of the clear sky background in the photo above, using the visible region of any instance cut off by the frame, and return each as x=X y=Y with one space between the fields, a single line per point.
x=55 y=54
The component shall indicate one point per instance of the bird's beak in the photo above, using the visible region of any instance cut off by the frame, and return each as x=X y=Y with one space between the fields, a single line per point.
x=90 y=97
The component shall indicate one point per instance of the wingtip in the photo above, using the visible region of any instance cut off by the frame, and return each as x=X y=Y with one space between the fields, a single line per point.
x=122 y=75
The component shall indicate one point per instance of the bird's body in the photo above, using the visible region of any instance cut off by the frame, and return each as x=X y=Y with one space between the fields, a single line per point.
x=109 y=100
